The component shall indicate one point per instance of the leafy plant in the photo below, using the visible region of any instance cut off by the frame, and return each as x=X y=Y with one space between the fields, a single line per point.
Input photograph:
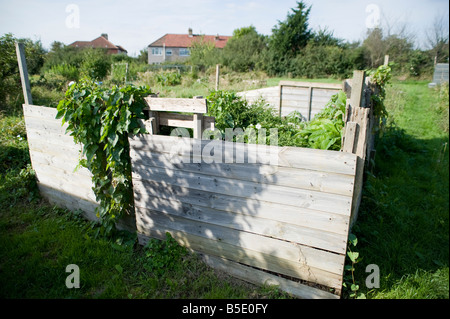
x=325 y=130
x=163 y=255
x=168 y=78
x=349 y=280
x=101 y=119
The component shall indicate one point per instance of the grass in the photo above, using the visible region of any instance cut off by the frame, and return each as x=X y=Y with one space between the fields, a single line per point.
x=403 y=224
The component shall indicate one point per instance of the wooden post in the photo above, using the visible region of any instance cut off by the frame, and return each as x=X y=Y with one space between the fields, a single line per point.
x=217 y=76
x=281 y=99
x=20 y=51
x=198 y=125
x=310 y=92
x=386 y=59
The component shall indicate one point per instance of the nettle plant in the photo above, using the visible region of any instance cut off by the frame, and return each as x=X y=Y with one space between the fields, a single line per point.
x=100 y=119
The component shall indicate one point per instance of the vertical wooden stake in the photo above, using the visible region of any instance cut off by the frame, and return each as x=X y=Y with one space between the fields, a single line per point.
x=281 y=100
x=20 y=51
x=217 y=77
x=310 y=92
x=386 y=59
x=198 y=125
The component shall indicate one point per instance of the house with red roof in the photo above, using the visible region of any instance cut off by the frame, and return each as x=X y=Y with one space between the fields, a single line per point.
x=175 y=47
x=100 y=42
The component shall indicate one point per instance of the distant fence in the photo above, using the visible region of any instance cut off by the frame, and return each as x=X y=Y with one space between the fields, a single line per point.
x=440 y=74
x=308 y=98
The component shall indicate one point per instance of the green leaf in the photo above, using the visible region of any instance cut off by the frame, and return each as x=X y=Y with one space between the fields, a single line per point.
x=352 y=239
x=353 y=255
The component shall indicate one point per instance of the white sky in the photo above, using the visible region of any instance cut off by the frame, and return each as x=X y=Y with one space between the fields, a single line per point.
x=134 y=24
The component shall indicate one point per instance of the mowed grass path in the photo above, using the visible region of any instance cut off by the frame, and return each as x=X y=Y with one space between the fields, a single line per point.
x=403 y=225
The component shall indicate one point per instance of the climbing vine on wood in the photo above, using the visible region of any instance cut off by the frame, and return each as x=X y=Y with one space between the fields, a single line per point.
x=100 y=119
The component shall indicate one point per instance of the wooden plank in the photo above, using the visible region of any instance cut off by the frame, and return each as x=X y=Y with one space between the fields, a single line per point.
x=41 y=112
x=309 y=102
x=312 y=159
x=45 y=125
x=73 y=151
x=270 y=193
x=177 y=105
x=357 y=89
x=60 y=162
x=261 y=173
x=66 y=186
x=176 y=120
x=83 y=181
x=337 y=86
x=349 y=137
x=23 y=71
x=50 y=137
x=285 y=258
x=69 y=201
x=259 y=277
x=147 y=191
x=265 y=227
x=361 y=117
x=198 y=125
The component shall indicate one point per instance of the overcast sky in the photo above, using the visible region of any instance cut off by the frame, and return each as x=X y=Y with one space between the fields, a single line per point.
x=134 y=24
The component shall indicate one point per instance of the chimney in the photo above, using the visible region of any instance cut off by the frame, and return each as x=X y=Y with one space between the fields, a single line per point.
x=105 y=35
x=190 y=32
x=216 y=37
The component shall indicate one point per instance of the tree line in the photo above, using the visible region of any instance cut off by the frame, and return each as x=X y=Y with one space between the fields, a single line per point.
x=294 y=49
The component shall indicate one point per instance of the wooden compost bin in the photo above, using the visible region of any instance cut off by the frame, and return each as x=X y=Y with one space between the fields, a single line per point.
x=265 y=214
x=289 y=218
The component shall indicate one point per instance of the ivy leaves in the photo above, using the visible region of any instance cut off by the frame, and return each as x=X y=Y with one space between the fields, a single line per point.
x=100 y=119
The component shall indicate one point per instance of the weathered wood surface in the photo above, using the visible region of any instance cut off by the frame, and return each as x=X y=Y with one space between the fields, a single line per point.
x=54 y=157
x=176 y=105
x=308 y=98
x=290 y=218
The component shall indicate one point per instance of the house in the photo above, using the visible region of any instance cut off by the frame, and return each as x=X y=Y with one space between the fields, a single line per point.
x=175 y=47
x=100 y=42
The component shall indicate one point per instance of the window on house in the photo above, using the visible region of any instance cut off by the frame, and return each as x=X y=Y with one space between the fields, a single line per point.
x=185 y=52
x=156 y=51
x=168 y=51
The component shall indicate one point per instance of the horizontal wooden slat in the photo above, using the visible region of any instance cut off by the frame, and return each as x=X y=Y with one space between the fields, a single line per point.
x=41 y=112
x=264 y=192
x=60 y=161
x=336 y=86
x=255 y=276
x=50 y=137
x=261 y=173
x=264 y=227
x=312 y=159
x=72 y=150
x=45 y=124
x=282 y=257
x=65 y=184
x=146 y=191
x=69 y=201
x=177 y=105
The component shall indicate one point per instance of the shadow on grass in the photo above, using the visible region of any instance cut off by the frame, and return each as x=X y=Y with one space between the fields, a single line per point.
x=403 y=225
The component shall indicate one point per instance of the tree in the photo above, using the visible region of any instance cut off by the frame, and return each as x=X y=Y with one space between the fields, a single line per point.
x=437 y=38
x=10 y=86
x=204 y=53
x=243 y=51
x=375 y=47
x=288 y=38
